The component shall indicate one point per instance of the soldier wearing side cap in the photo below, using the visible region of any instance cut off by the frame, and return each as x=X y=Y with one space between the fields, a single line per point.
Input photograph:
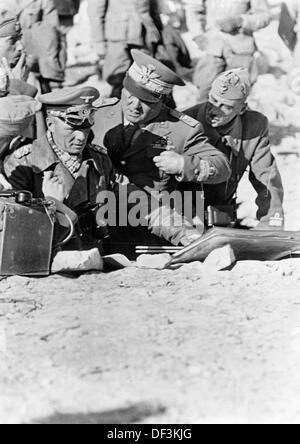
x=13 y=67
x=224 y=29
x=243 y=135
x=63 y=164
x=16 y=115
x=156 y=147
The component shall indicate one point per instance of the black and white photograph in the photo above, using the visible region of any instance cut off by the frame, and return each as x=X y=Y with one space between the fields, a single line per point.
x=149 y=214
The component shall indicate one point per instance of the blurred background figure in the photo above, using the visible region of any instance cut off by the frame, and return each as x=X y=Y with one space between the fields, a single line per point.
x=289 y=29
x=42 y=40
x=66 y=9
x=13 y=63
x=173 y=14
x=224 y=30
x=116 y=30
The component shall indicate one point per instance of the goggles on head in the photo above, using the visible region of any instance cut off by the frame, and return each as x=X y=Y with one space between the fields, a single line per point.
x=81 y=118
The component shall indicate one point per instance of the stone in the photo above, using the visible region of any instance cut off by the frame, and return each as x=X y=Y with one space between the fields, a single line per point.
x=116 y=262
x=77 y=261
x=220 y=259
x=155 y=262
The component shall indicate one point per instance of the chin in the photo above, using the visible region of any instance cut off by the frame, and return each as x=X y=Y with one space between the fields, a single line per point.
x=76 y=150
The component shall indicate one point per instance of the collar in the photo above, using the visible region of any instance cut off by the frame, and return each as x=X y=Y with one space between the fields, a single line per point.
x=44 y=157
x=231 y=134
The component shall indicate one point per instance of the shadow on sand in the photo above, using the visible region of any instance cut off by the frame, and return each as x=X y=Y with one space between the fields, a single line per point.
x=130 y=415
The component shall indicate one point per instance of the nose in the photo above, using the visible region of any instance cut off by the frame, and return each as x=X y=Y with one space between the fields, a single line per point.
x=136 y=103
x=80 y=136
x=19 y=46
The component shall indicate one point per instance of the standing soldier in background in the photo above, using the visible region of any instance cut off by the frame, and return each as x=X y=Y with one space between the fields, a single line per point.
x=41 y=38
x=66 y=9
x=294 y=10
x=224 y=30
x=117 y=28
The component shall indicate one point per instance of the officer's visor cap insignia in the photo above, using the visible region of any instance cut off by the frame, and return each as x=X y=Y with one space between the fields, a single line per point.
x=150 y=79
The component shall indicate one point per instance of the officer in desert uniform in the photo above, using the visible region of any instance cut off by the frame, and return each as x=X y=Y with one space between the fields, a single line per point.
x=156 y=147
x=243 y=135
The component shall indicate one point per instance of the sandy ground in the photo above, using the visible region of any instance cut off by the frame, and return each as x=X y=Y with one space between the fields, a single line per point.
x=153 y=346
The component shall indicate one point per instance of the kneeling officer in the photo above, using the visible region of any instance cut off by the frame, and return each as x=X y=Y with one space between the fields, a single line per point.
x=63 y=164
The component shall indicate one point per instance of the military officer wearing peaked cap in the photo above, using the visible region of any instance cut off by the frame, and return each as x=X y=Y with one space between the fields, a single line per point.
x=63 y=164
x=151 y=144
x=243 y=135
x=154 y=146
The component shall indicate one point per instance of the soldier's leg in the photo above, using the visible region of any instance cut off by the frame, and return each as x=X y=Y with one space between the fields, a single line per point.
x=117 y=62
x=207 y=70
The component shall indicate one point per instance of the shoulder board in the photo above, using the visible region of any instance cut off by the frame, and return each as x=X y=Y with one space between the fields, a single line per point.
x=193 y=123
x=99 y=149
x=24 y=151
x=103 y=103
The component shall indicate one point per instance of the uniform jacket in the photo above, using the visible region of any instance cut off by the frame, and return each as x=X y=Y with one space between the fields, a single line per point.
x=33 y=11
x=248 y=145
x=202 y=17
x=203 y=163
x=25 y=167
x=119 y=22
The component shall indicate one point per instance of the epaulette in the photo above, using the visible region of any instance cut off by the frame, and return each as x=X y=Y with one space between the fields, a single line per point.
x=193 y=123
x=99 y=149
x=23 y=151
x=103 y=103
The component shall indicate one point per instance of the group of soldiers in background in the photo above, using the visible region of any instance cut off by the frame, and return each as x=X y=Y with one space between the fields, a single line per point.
x=88 y=144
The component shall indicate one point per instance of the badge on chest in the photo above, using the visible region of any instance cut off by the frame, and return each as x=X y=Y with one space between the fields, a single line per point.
x=159 y=146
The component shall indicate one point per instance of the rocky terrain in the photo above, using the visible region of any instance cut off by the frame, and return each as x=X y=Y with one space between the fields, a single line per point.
x=185 y=346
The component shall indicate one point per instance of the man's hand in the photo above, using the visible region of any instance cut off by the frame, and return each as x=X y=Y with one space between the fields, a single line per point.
x=53 y=187
x=20 y=71
x=201 y=42
x=231 y=24
x=4 y=185
x=170 y=162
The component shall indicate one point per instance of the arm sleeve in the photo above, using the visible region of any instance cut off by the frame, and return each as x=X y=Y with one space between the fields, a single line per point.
x=97 y=10
x=50 y=14
x=258 y=17
x=196 y=16
x=204 y=163
x=266 y=180
x=19 y=87
x=18 y=175
x=143 y=8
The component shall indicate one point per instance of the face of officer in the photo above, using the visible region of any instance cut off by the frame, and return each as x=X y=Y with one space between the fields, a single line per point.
x=11 y=48
x=69 y=138
x=137 y=111
x=220 y=114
